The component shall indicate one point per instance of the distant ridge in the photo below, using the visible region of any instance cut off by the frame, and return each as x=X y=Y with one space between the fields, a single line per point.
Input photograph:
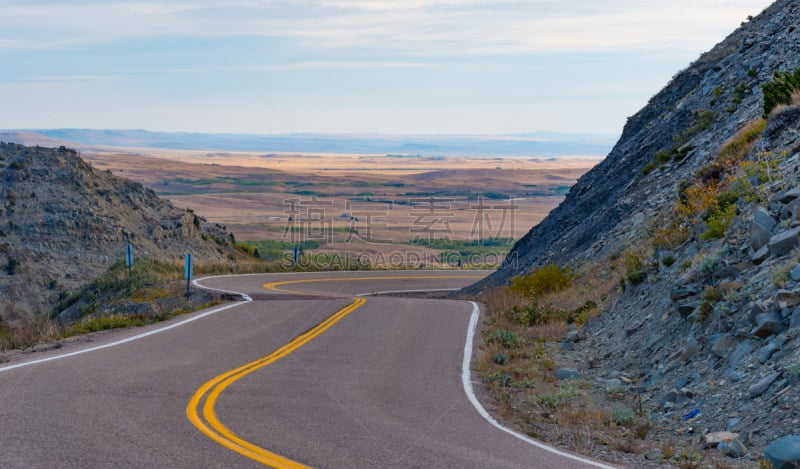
x=536 y=144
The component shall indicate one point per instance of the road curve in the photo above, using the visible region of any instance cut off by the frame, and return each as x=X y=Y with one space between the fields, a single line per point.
x=381 y=385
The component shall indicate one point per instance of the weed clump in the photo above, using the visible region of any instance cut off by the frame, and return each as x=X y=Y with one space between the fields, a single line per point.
x=780 y=90
x=549 y=278
x=504 y=337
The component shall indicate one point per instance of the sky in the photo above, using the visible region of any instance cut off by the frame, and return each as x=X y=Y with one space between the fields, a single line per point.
x=433 y=67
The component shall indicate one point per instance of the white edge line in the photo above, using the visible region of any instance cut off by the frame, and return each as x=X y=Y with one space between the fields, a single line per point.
x=466 y=379
x=247 y=299
x=195 y=282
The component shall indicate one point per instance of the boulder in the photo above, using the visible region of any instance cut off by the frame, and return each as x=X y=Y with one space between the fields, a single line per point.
x=733 y=448
x=753 y=311
x=762 y=216
x=783 y=243
x=759 y=235
x=715 y=438
x=789 y=196
x=767 y=351
x=760 y=256
x=768 y=324
x=681 y=292
x=789 y=211
x=760 y=387
x=784 y=453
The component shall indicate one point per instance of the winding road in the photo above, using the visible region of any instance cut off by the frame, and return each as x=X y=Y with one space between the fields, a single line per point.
x=309 y=372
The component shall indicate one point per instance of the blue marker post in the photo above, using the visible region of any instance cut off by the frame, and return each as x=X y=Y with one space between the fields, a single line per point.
x=188 y=271
x=296 y=256
x=129 y=261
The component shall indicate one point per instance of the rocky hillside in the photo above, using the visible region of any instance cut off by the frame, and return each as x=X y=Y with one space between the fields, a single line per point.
x=697 y=210
x=692 y=117
x=63 y=222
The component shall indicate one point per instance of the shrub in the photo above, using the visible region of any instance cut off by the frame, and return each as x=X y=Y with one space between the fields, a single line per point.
x=623 y=416
x=780 y=89
x=505 y=338
x=549 y=278
x=500 y=358
x=663 y=157
x=781 y=275
x=502 y=379
x=711 y=294
x=704 y=119
x=533 y=314
x=695 y=199
x=634 y=268
x=649 y=167
x=566 y=392
x=708 y=265
x=581 y=315
x=670 y=237
x=794 y=369
x=718 y=223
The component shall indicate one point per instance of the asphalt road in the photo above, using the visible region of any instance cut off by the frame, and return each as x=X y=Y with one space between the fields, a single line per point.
x=322 y=379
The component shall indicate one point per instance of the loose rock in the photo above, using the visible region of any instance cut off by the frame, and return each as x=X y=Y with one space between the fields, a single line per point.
x=784 y=453
x=761 y=386
x=567 y=374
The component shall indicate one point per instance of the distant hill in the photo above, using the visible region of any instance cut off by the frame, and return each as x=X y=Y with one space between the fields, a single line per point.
x=541 y=144
x=63 y=222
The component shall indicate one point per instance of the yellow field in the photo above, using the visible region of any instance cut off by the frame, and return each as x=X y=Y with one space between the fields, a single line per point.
x=354 y=204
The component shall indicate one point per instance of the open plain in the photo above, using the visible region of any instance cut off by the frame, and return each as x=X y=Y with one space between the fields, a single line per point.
x=387 y=210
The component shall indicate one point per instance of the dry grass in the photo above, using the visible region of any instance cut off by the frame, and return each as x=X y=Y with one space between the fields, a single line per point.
x=549 y=332
x=595 y=282
x=737 y=147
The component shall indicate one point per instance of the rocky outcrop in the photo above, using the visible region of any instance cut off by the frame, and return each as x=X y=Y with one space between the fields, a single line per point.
x=63 y=222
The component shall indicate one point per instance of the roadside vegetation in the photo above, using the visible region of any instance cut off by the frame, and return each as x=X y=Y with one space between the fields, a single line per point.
x=527 y=322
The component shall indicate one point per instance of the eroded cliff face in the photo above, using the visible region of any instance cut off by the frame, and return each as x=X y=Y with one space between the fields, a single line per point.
x=63 y=222
x=702 y=107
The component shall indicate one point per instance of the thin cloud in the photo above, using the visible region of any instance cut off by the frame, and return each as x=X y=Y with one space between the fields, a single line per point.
x=424 y=27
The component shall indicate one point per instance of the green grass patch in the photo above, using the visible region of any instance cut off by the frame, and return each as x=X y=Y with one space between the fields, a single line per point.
x=103 y=323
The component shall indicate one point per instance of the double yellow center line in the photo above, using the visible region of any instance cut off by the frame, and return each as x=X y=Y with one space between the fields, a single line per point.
x=206 y=397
